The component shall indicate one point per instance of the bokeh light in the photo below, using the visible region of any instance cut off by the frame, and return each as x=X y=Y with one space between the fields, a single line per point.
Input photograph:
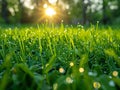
x=52 y=1
x=81 y=70
x=61 y=70
x=96 y=85
x=69 y=80
x=111 y=83
x=45 y=6
x=71 y=64
x=115 y=73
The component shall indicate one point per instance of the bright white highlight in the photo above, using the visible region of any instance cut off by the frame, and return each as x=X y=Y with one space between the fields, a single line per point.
x=52 y=1
x=50 y=12
x=45 y=6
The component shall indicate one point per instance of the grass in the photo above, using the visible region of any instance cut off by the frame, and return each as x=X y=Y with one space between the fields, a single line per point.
x=59 y=58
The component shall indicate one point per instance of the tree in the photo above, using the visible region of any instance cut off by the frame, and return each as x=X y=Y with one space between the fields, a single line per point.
x=84 y=8
x=23 y=13
x=5 y=12
x=78 y=10
x=21 y=10
x=104 y=12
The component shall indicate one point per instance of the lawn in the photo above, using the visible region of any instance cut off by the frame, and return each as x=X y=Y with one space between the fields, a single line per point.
x=42 y=57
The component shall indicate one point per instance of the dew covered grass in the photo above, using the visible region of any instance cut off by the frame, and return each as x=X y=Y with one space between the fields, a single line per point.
x=59 y=58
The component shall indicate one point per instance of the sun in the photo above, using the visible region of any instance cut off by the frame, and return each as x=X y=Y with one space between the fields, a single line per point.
x=50 y=12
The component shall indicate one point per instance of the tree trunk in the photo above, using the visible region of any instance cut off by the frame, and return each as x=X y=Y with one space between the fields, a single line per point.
x=21 y=10
x=83 y=12
x=90 y=12
x=5 y=11
x=104 y=12
x=38 y=2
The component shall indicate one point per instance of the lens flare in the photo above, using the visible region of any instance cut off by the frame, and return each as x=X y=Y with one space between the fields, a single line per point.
x=50 y=12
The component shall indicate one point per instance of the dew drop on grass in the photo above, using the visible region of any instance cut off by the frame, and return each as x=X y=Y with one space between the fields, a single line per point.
x=110 y=77
x=81 y=70
x=1 y=61
x=92 y=74
x=96 y=85
x=111 y=83
x=115 y=73
x=71 y=64
x=61 y=70
x=105 y=72
x=69 y=80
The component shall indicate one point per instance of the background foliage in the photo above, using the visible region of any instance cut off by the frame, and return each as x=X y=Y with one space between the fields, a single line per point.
x=71 y=11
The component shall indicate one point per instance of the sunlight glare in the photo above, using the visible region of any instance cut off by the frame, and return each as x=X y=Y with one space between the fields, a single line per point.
x=45 y=6
x=50 y=12
x=52 y=1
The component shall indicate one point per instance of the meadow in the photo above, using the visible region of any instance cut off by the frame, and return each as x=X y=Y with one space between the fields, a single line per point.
x=45 y=57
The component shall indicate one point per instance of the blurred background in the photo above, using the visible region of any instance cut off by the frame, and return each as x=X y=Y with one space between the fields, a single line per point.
x=55 y=11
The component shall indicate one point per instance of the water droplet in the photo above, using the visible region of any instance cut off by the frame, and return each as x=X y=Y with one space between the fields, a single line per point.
x=92 y=73
x=71 y=64
x=110 y=76
x=96 y=85
x=115 y=73
x=111 y=83
x=69 y=80
x=81 y=70
x=61 y=70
